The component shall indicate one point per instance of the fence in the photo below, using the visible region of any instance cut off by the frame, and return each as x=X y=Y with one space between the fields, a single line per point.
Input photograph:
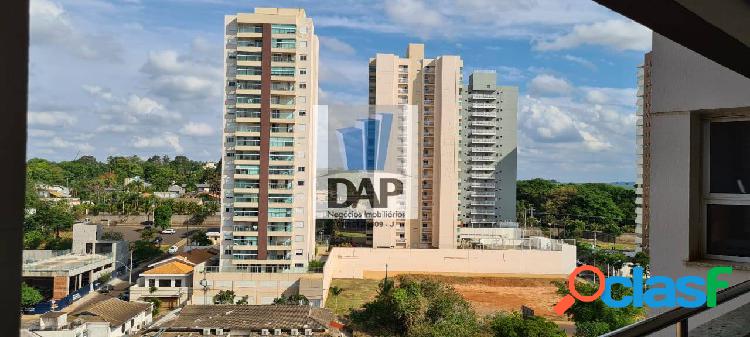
x=45 y=306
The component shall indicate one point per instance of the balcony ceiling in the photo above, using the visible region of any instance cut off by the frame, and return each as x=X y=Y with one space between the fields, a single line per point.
x=718 y=30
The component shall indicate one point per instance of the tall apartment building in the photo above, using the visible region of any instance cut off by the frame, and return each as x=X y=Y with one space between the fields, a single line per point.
x=268 y=167
x=488 y=152
x=433 y=85
x=643 y=153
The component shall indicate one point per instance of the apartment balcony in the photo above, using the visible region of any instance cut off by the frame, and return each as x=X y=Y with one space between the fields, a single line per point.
x=483 y=149
x=483 y=132
x=482 y=168
x=403 y=80
x=484 y=114
x=482 y=158
x=429 y=102
x=483 y=105
x=481 y=141
x=482 y=97
x=476 y=211
x=482 y=123
x=483 y=185
x=482 y=203
x=482 y=176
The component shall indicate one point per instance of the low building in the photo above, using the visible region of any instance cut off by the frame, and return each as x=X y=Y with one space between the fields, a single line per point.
x=250 y=320
x=170 y=280
x=58 y=276
x=203 y=188
x=136 y=179
x=109 y=318
x=180 y=190
x=87 y=239
x=214 y=234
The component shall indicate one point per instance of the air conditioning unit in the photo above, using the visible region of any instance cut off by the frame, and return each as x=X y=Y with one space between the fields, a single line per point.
x=206 y=331
x=295 y=332
x=277 y=332
x=219 y=332
x=308 y=332
x=264 y=332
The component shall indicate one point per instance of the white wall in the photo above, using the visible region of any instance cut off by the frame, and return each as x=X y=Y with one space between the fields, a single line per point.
x=683 y=81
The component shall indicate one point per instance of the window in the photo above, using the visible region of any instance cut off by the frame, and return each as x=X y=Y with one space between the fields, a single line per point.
x=152 y=283
x=302 y=113
x=303 y=71
x=303 y=57
x=303 y=85
x=301 y=169
x=178 y=283
x=298 y=252
x=301 y=183
x=726 y=179
x=299 y=265
x=165 y=283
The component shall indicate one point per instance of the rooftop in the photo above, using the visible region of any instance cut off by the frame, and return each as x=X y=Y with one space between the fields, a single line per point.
x=114 y=311
x=197 y=256
x=251 y=317
x=66 y=263
x=175 y=267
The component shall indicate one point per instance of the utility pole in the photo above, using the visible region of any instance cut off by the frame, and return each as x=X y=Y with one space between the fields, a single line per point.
x=130 y=272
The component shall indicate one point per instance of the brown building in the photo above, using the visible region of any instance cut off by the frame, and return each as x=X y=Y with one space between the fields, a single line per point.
x=433 y=86
x=268 y=171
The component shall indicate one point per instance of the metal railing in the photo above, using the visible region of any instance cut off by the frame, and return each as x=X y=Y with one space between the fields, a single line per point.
x=678 y=316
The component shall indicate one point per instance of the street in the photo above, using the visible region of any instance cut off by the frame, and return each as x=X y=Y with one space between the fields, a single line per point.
x=132 y=232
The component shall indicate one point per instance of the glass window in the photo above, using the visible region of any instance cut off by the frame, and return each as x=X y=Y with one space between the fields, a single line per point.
x=252 y=197
x=165 y=283
x=282 y=71
x=727 y=202
x=178 y=283
x=279 y=212
x=282 y=141
x=284 y=43
x=281 y=170
x=282 y=156
x=246 y=211
x=283 y=29
x=281 y=198
x=248 y=141
x=245 y=56
x=245 y=28
x=247 y=184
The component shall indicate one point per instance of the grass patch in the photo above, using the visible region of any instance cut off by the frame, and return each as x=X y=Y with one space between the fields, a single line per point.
x=622 y=246
x=356 y=292
x=352 y=234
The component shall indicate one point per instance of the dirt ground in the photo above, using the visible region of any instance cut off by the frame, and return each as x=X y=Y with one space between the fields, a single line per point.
x=490 y=294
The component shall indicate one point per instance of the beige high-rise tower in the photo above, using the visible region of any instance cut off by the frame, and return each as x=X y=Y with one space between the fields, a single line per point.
x=268 y=167
x=434 y=87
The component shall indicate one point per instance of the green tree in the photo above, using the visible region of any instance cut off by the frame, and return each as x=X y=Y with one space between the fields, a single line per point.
x=33 y=239
x=242 y=300
x=163 y=216
x=592 y=318
x=156 y=305
x=111 y=235
x=30 y=296
x=641 y=259
x=335 y=292
x=295 y=299
x=417 y=307
x=199 y=238
x=513 y=325
x=51 y=216
x=224 y=297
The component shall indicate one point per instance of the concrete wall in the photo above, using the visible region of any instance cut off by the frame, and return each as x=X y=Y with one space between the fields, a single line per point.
x=684 y=81
x=261 y=288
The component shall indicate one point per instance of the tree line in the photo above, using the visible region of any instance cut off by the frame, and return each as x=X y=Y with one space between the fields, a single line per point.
x=576 y=207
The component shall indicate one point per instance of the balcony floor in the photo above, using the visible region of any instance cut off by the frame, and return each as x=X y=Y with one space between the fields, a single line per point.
x=735 y=323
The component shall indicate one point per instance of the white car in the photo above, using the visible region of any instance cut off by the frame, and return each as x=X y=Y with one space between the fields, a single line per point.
x=168 y=231
x=173 y=250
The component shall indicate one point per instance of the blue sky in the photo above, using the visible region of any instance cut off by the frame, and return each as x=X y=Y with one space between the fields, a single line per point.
x=145 y=77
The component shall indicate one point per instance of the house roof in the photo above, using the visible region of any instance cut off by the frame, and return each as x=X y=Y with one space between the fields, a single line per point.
x=175 y=267
x=197 y=256
x=202 y=185
x=248 y=317
x=114 y=311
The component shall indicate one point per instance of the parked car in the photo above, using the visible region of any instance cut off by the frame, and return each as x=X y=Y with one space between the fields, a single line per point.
x=158 y=239
x=168 y=231
x=105 y=289
x=173 y=250
x=147 y=223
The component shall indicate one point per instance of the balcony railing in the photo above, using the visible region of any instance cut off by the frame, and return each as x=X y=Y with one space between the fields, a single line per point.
x=678 y=316
x=483 y=114
x=483 y=106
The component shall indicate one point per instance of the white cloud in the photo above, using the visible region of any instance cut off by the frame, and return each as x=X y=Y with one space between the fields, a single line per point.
x=197 y=129
x=50 y=25
x=548 y=123
x=40 y=133
x=179 y=77
x=98 y=91
x=616 y=96
x=165 y=140
x=335 y=45
x=580 y=60
x=617 y=34
x=60 y=143
x=421 y=17
x=549 y=84
x=50 y=118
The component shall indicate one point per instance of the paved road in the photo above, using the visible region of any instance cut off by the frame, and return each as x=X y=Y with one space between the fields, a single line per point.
x=132 y=232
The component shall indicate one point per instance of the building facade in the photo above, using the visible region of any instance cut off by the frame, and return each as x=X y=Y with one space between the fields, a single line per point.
x=488 y=153
x=268 y=167
x=433 y=86
x=643 y=152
